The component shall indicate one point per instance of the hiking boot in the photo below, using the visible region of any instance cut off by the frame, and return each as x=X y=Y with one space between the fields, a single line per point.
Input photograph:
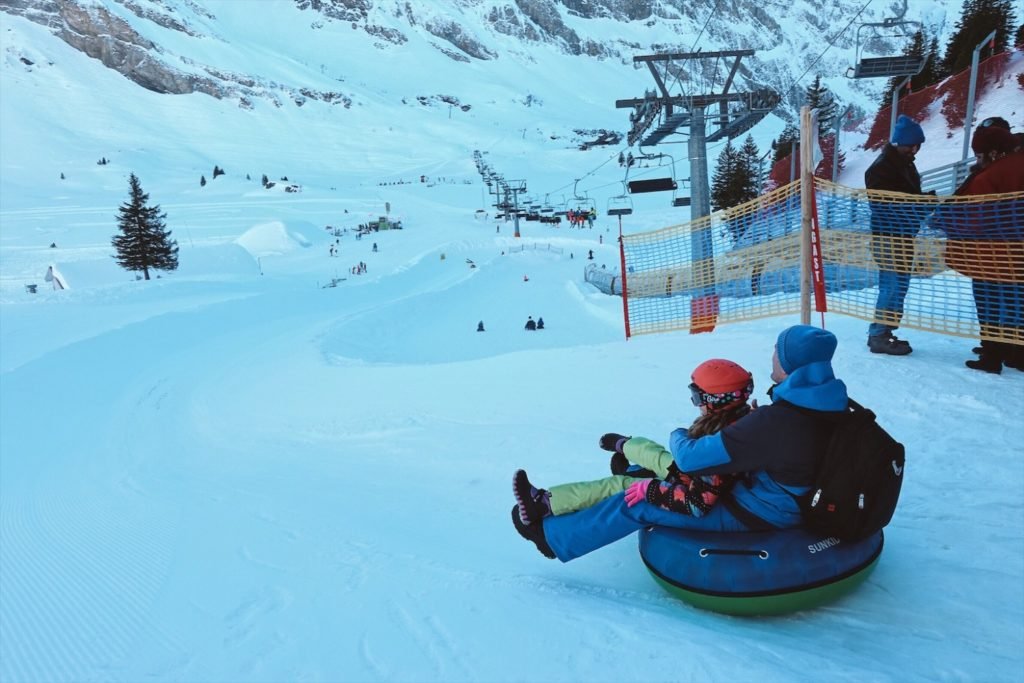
x=532 y=532
x=534 y=504
x=888 y=343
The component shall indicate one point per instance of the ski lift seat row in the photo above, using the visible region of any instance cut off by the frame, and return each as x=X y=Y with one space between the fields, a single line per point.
x=652 y=185
x=887 y=67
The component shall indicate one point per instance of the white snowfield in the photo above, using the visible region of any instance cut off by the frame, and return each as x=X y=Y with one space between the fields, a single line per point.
x=237 y=472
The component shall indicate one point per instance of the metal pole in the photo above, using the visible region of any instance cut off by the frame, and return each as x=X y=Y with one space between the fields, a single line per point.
x=835 y=143
x=700 y=197
x=969 y=118
x=515 y=202
x=794 y=150
x=894 y=107
x=806 y=192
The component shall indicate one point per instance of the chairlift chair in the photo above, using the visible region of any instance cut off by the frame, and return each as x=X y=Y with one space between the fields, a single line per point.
x=653 y=184
x=887 y=67
x=580 y=203
x=620 y=205
x=678 y=201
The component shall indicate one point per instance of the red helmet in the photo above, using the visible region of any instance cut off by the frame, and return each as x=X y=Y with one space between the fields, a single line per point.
x=719 y=383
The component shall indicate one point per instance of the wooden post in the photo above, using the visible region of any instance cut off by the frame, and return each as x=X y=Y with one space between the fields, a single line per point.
x=806 y=193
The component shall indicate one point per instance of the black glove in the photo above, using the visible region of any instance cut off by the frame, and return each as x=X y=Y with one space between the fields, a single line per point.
x=611 y=442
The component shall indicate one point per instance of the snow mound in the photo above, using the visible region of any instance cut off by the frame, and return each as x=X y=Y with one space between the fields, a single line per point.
x=276 y=238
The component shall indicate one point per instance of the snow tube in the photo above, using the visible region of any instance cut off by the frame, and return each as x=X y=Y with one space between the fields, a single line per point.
x=756 y=573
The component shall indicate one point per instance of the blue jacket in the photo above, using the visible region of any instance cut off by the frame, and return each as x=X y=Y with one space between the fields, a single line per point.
x=777 y=446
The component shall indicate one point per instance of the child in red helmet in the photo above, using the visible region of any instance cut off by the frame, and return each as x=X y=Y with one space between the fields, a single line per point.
x=720 y=388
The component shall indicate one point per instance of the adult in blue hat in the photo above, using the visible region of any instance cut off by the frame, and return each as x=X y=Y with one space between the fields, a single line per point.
x=893 y=228
x=776 y=448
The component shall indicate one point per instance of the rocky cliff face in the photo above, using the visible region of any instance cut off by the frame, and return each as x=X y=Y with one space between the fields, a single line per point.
x=102 y=35
x=467 y=30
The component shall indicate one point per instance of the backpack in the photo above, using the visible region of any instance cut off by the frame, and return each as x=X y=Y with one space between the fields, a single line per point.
x=858 y=479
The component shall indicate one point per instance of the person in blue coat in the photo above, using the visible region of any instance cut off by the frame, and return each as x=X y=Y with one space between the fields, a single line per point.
x=775 y=448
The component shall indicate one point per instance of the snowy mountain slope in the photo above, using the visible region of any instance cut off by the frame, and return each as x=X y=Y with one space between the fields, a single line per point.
x=234 y=473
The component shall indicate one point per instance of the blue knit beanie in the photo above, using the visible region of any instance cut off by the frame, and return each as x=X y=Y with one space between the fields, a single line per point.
x=907 y=132
x=802 y=345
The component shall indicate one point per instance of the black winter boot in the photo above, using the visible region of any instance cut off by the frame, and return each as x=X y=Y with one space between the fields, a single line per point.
x=1013 y=356
x=533 y=503
x=990 y=360
x=532 y=532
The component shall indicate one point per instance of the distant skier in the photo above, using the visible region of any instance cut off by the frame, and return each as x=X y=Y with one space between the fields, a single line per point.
x=540 y=323
x=375 y=247
x=480 y=326
x=530 y=324
x=591 y=255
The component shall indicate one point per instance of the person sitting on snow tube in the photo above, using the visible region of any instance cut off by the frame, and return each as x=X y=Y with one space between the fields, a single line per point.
x=720 y=389
x=775 y=449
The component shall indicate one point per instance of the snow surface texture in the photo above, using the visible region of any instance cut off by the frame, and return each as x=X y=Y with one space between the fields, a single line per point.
x=235 y=473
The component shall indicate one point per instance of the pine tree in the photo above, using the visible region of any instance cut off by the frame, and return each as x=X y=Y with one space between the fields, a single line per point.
x=736 y=180
x=930 y=73
x=784 y=145
x=749 y=170
x=723 y=179
x=977 y=19
x=143 y=242
x=821 y=98
x=1018 y=39
x=927 y=75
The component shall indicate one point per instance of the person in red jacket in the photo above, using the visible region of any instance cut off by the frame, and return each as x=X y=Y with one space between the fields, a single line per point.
x=990 y=247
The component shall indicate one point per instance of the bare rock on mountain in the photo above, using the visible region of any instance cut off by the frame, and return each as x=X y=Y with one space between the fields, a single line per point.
x=457 y=36
x=343 y=10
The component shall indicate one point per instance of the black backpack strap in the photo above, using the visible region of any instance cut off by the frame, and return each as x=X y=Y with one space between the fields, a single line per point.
x=745 y=516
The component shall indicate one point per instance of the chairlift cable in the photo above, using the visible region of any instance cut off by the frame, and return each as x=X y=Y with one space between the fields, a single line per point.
x=697 y=39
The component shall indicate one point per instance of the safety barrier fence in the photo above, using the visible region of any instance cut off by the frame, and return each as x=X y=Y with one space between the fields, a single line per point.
x=535 y=247
x=955 y=263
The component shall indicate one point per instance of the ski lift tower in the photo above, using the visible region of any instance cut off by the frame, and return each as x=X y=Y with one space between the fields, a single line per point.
x=511 y=190
x=729 y=113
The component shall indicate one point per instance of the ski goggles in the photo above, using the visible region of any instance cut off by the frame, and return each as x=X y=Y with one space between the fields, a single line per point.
x=699 y=397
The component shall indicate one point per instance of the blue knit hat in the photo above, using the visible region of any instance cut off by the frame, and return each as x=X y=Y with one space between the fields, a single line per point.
x=907 y=132
x=802 y=345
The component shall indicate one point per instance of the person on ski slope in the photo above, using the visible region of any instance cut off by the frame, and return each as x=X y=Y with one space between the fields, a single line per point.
x=773 y=450
x=720 y=389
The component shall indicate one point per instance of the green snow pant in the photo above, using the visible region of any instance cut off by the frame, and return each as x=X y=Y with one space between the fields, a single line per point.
x=566 y=498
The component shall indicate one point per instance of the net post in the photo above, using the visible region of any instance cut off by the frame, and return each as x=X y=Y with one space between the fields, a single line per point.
x=622 y=271
x=806 y=210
